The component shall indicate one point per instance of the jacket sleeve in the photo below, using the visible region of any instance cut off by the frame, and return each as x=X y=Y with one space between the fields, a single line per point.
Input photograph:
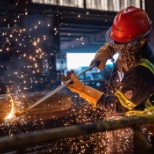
x=137 y=86
x=110 y=103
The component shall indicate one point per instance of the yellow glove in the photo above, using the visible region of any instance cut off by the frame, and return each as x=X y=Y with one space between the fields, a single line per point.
x=86 y=92
x=101 y=57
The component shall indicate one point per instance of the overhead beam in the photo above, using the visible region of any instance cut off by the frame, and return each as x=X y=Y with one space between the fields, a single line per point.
x=87 y=40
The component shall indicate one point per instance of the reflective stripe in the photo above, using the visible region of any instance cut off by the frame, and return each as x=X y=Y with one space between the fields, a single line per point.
x=148 y=104
x=138 y=112
x=124 y=101
x=146 y=63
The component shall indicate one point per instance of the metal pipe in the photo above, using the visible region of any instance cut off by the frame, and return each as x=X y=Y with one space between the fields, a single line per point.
x=33 y=138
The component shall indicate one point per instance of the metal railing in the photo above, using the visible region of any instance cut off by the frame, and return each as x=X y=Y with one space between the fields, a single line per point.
x=22 y=141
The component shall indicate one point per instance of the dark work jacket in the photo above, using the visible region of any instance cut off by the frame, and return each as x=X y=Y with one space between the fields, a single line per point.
x=135 y=89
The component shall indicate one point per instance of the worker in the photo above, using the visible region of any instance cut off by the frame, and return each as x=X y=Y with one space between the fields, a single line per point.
x=131 y=88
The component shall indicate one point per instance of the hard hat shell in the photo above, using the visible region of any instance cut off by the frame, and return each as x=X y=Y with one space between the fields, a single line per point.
x=129 y=24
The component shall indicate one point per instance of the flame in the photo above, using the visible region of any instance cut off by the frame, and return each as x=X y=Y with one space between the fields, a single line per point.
x=11 y=114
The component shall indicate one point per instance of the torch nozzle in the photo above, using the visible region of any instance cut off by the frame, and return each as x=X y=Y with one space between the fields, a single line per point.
x=17 y=114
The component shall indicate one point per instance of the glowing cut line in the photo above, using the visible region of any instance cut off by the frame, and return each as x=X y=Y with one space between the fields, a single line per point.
x=11 y=114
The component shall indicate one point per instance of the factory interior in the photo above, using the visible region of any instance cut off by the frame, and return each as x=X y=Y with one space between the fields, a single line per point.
x=40 y=41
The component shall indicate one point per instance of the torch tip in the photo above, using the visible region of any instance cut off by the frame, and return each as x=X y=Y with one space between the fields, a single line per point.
x=17 y=114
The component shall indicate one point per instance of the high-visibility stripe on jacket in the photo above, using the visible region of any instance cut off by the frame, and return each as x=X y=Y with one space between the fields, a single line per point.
x=146 y=63
x=124 y=101
x=148 y=103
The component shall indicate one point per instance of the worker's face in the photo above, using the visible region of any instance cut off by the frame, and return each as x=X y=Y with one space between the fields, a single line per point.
x=129 y=55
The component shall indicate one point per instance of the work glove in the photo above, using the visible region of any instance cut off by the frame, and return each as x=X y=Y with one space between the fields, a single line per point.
x=101 y=57
x=88 y=93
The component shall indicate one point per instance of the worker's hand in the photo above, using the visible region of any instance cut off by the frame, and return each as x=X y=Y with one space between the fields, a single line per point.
x=86 y=92
x=101 y=57
x=76 y=84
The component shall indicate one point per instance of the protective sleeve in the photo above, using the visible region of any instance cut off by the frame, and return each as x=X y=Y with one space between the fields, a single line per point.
x=137 y=86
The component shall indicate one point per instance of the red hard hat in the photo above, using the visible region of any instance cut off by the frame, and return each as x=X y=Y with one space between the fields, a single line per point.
x=129 y=24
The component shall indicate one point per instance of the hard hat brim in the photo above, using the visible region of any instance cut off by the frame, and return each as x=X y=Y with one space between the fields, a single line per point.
x=109 y=34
